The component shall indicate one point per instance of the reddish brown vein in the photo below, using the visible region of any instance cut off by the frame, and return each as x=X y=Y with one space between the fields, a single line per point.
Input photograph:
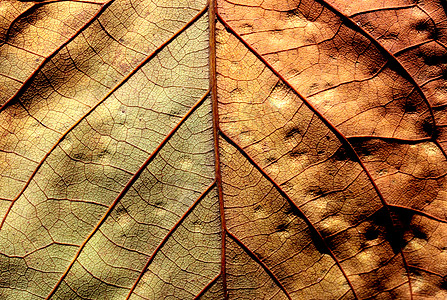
x=12 y=78
x=168 y=235
x=207 y=287
x=382 y=9
x=144 y=62
x=79 y=1
x=126 y=188
x=27 y=12
x=260 y=262
x=340 y=136
x=36 y=5
x=30 y=79
x=389 y=139
x=412 y=47
x=427 y=271
x=353 y=25
x=290 y=201
x=213 y=88
x=417 y=211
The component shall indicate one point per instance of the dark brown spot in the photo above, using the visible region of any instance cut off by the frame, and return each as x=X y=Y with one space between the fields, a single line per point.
x=344 y=153
x=295 y=211
x=196 y=222
x=433 y=59
x=258 y=255
x=395 y=222
x=297 y=152
x=428 y=127
x=271 y=159
x=293 y=13
x=371 y=234
x=236 y=90
x=316 y=191
x=318 y=242
x=103 y=153
x=410 y=107
x=292 y=210
x=282 y=227
x=280 y=85
x=292 y=132
x=421 y=25
x=443 y=283
x=427 y=26
x=79 y=156
x=419 y=234
x=120 y=210
x=159 y=203
x=390 y=36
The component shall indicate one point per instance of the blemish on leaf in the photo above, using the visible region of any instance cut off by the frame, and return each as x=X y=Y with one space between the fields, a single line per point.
x=433 y=59
x=316 y=191
x=258 y=255
x=279 y=86
x=292 y=132
x=443 y=283
x=159 y=202
x=196 y=222
x=343 y=154
x=371 y=234
x=271 y=160
x=394 y=224
x=389 y=36
x=428 y=127
x=247 y=26
x=318 y=242
x=419 y=234
x=410 y=107
x=79 y=156
x=296 y=152
x=292 y=13
x=426 y=26
x=103 y=153
x=282 y=227
x=120 y=210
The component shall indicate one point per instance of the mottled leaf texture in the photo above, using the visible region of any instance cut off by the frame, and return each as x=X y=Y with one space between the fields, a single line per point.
x=223 y=149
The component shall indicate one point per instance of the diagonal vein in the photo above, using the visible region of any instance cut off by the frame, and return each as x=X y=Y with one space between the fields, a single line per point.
x=207 y=287
x=126 y=189
x=417 y=211
x=144 y=62
x=353 y=25
x=290 y=201
x=28 y=82
x=168 y=235
x=339 y=135
x=257 y=260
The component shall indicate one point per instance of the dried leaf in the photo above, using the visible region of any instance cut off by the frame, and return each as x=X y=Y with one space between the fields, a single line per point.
x=238 y=149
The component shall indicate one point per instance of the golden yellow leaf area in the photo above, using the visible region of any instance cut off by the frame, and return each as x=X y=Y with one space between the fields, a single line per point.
x=223 y=149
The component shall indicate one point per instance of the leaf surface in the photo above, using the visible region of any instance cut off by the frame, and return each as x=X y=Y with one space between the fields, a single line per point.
x=223 y=150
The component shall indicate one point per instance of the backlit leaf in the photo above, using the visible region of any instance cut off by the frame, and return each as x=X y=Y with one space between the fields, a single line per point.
x=241 y=149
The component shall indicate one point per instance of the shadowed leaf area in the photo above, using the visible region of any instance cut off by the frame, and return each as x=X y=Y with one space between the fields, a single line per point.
x=223 y=149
